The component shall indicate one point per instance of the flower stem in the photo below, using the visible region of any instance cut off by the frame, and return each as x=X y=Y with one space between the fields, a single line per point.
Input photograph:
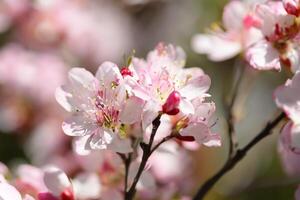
x=129 y=195
x=238 y=156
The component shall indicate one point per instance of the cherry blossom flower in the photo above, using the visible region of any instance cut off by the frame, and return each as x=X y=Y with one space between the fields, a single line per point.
x=58 y=184
x=277 y=47
x=240 y=32
x=287 y=97
x=54 y=24
x=100 y=108
x=288 y=150
x=169 y=89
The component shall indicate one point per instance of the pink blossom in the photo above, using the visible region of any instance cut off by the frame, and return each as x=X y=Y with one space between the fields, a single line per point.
x=287 y=97
x=289 y=150
x=163 y=83
x=276 y=48
x=11 y=11
x=100 y=108
x=58 y=184
x=54 y=24
x=240 y=32
x=30 y=74
x=169 y=89
x=292 y=7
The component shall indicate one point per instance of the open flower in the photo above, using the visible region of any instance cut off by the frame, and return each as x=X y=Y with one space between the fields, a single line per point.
x=165 y=86
x=287 y=97
x=277 y=47
x=177 y=93
x=101 y=108
x=240 y=24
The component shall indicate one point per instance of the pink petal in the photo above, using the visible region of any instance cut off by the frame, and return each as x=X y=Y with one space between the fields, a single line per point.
x=196 y=87
x=46 y=196
x=56 y=180
x=101 y=139
x=78 y=125
x=233 y=15
x=132 y=111
x=81 y=145
x=8 y=192
x=120 y=145
x=227 y=48
x=81 y=78
x=200 y=131
x=287 y=97
x=108 y=73
x=150 y=112
x=263 y=56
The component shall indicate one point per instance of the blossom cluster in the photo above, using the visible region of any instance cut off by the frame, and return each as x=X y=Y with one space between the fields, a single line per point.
x=266 y=34
x=110 y=113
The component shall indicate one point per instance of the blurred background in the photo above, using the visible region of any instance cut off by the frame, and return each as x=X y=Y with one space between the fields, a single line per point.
x=41 y=39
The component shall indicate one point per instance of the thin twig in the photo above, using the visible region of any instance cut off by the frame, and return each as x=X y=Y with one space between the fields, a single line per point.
x=127 y=165
x=239 y=155
x=126 y=161
x=146 y=154
x=230 y=109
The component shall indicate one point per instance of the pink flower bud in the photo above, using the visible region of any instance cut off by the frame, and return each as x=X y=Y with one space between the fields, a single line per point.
x=46 y=196
x=292 y=7
x=67 y=195
x=125 y=71
x=172 y=103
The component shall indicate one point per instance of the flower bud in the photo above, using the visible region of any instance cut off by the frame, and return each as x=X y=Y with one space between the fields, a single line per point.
x=125 y=71
x=67 y=194
x=172 y=103
x=292 y=7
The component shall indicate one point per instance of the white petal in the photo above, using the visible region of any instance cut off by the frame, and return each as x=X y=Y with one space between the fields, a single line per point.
x=263 y=56
x=201 y=132
x=212 y=140
x=233 y=15
x=108 y=73
x=77 y=125
x=186 y=107
x=63 y=98
x=295 y=136
x=8 y=192
x=132 y=111
x=120 y=145
x=196 y=87
x=101 y=139
x=28 y=197
x=81 y=78
x=227 y=46
x=81 y=145
x=87 y=186
x=150 y=112
x=287 y=97
x=56 y=180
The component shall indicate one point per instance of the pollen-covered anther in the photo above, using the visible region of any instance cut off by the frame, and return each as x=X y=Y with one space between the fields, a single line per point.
x=171 y=105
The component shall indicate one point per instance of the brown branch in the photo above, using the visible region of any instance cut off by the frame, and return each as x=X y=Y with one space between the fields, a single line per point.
x=146 y=154
x=239 y=155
